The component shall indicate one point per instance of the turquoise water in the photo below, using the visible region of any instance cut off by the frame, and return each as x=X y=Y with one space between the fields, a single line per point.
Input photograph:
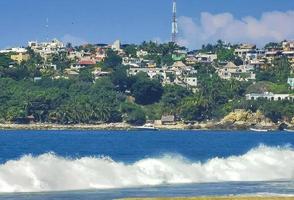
x=113 y=164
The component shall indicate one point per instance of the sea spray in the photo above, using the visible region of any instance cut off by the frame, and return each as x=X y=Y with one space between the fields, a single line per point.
x=49 y=172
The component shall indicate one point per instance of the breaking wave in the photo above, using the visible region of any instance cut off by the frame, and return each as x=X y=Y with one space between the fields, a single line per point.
x=49 y=172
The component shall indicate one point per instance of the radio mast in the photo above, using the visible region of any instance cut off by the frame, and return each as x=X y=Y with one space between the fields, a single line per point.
x=174 y=23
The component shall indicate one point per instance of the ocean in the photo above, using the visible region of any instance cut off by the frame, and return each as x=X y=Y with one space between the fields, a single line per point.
x=106 y=165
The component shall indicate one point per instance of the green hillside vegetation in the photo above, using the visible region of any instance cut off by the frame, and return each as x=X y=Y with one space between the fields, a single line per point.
x=81 y=100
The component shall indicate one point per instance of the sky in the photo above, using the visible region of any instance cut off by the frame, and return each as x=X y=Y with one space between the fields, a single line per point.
x=135 y=21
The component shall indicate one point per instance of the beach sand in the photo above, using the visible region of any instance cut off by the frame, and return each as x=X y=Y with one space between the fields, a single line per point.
x=217 y=198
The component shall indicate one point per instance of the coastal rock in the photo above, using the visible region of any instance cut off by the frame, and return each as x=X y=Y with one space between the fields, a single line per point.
x=242 y=119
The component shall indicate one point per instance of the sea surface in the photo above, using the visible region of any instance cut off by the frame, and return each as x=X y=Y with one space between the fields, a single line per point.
x=106 y=165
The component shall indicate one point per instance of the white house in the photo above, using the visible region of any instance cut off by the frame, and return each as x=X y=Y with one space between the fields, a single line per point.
x=206 y=57
x=134 y=62
x=151 y=72
x=14 y=50
x=270 y=96
x=191 y=81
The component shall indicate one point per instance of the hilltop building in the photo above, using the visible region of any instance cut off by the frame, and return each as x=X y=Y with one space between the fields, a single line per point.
x=116 y=46
x=46 y=49
x=20 y=57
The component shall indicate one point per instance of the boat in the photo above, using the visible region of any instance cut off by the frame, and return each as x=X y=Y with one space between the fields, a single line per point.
x=146 y=127
x=289 y=130
x=259 y=130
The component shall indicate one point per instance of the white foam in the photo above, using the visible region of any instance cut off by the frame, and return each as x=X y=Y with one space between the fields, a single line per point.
x=49 y=172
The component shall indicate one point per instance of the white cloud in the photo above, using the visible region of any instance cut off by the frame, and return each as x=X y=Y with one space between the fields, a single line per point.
x=271 y=26
x=75 y=41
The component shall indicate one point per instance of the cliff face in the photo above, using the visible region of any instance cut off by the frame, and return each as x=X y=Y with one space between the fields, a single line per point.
x=242 y=119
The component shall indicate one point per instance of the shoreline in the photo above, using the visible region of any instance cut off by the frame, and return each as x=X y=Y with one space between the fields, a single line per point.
x=215 y=198
x=125 y=127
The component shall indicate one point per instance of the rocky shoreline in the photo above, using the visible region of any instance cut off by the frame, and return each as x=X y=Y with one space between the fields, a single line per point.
x=121 y=126
x=237 y=120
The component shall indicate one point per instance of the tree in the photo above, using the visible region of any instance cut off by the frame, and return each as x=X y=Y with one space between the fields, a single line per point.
x=5 y=60
x=147 y=91
x=194 y=108
x=61 y=61
x=121 y=80
x=277 y=73
x=172 y=96
x=112 y=60
x=226 y=55
x=86 y=75
x=131 y=50
x=133 y=114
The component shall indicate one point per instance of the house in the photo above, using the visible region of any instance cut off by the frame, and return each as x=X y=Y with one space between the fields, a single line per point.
x=288 y=46
x=24 y=120
x=47 y=49
x=179 y=65
x=71 y=73
x=290 y=56
x=73 y=55
x=258 y=63
x=14 y=50
x=272 y=54
x=86 y=63
x=270 y=96
x=244 y=50
x=206 y=57
x=20 y=57
x=168 y=120
x=191 y=81
x=151 y=72
x=134 y=62
x=141 y=53
x=99 y=74
x=291 y=83
x=191 y=60
x=241 y=73
x=100 y=54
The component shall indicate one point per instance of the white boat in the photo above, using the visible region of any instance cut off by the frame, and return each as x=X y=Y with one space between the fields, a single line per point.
x=146 y=127
x=259 y=130
x=289 y=130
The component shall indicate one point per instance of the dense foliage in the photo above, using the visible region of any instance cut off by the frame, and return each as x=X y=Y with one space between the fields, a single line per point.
x=133 y=99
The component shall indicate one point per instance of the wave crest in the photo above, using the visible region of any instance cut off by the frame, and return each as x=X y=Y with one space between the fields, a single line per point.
x=49 y=172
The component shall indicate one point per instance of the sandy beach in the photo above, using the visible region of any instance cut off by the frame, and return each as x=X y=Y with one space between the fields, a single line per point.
x=217 y=198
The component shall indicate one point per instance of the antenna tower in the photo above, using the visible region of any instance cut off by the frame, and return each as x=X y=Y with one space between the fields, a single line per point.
x=174 y=23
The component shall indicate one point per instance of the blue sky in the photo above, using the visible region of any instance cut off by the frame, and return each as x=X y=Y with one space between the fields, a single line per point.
x=133 y=21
